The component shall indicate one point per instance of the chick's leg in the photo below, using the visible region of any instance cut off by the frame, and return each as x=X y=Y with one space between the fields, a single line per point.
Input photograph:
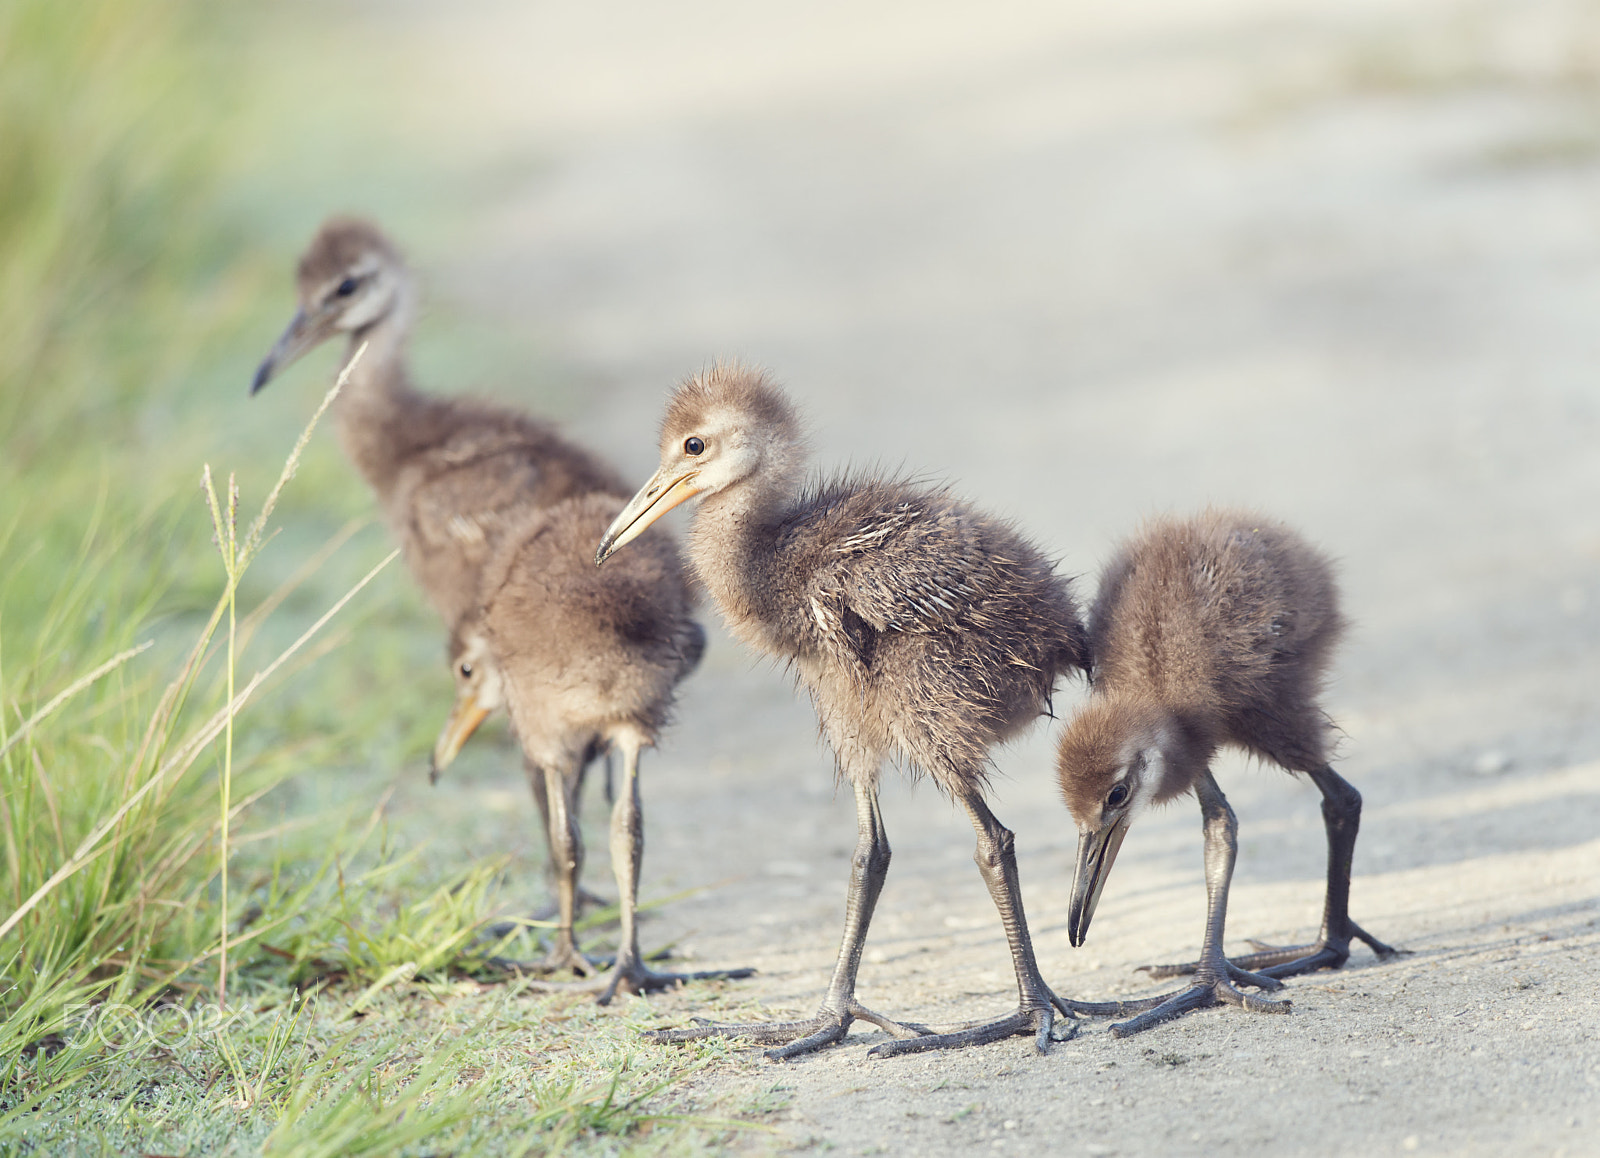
x=868 y=868
x=1341 y=816
x=627 y=854
x=1215 y=976
x=1036 y=1005
x=566 y=856
x=541 y=797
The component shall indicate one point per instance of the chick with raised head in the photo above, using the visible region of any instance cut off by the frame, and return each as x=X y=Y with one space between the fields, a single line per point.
x=1211 y=631
x=919 y=626
x=450 y=474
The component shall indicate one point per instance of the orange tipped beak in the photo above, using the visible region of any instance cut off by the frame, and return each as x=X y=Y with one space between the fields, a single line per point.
x=665 y=490
x=464 y=720
x=1097 y=852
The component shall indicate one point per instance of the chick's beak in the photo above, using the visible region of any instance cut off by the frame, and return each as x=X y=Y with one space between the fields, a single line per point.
x=464 y=720
x=1097 y=852
x=300 y=336
x=667 y=488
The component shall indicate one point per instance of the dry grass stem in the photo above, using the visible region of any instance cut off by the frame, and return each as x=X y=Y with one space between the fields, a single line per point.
x=71 y=690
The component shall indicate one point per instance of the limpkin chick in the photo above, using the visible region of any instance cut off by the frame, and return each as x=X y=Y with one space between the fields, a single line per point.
x=1206 y=632
x=472 y=668
x=450 y=474
x=917 y=624
x=583 y=660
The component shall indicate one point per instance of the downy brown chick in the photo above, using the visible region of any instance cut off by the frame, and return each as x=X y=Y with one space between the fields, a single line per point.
x=1208 y=631
x=450 y=474
x=917 y=624
x=583 y=661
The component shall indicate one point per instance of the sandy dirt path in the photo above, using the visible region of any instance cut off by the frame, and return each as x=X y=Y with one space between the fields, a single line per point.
x=1338 y=261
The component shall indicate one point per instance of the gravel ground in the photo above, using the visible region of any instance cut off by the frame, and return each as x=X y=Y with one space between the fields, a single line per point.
x=1339 y=261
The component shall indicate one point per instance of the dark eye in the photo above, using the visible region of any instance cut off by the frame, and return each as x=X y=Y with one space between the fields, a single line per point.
x=693 y=445
x=347 y=287
x=1117 y=797
x=466 y=671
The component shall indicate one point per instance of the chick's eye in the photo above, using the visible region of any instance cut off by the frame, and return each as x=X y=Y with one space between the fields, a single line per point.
x=346 y=287
x=1118 y=796
x=466 y=671
x=693 y=445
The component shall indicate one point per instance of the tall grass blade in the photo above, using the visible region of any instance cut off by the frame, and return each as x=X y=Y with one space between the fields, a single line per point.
x=72 y=689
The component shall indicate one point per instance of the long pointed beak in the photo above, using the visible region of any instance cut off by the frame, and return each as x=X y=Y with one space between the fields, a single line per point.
x=666 y=489
x=1097 y=852
x=464 y=720
x=295 y=341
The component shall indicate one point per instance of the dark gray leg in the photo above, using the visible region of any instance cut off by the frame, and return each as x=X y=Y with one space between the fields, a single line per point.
x=1215 y=975
x=1341 y=816
x=627 y=854
x=1036 y=1005
x=868 y=868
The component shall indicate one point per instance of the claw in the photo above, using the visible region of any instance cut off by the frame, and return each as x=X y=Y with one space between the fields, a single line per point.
x=1278 y=961
x=1037 y=1020
x=766 y=1033
x=633 y=977
x=1198 y=996
x=826 y=1035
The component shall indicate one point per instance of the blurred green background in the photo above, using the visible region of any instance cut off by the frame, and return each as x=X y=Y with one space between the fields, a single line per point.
x=161 y=164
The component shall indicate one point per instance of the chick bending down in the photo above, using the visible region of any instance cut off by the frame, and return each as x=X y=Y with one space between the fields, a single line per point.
x=1209 y=631
x=583 y=661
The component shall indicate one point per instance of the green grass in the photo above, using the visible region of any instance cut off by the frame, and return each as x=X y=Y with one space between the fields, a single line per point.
x=155 y=844
x=462 y=1069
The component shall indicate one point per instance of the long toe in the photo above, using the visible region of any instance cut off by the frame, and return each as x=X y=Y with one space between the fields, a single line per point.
x=1037 y=1020
x=1287 y=960
x=1313 y=958
x=1228 y=995
x=1255 y=980
x=1324 y=953
x=635 y=978
x=826 y=1034
x=760 y=1032
x=992 y=1031
x=1110 y=1008
x=1200 y=995
x=1267 y=961
x=1384 y=952
x=904 y=1029
x=794 y=1037
x=1162 y=972
x=1197 y=996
